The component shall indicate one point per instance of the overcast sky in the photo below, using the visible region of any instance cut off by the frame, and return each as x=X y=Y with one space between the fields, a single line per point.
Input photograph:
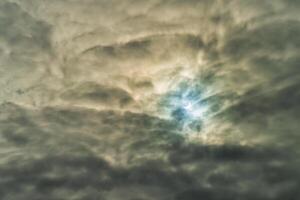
x=149 y=99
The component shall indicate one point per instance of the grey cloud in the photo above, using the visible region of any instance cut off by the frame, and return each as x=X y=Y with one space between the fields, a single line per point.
x=274 y=112
x=46 y=128
x=22 y=32
x=25 y=49
x=101 y=63
x=268 y=87
x=142 y=47
x=66 y=154
x=132 y=48
x=273 y=38
x=90 y=92
x=85 y=79
x=269 y=102
x=143 y=83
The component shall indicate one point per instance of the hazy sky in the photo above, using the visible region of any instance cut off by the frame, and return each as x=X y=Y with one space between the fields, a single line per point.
x=149 y=99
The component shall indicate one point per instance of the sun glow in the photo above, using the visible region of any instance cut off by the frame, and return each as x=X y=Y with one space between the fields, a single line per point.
x=186 y=104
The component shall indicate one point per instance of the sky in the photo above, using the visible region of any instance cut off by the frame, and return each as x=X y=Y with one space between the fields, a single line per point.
x=149 y=99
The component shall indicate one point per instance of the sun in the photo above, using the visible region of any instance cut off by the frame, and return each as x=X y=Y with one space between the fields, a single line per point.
x=186 y=104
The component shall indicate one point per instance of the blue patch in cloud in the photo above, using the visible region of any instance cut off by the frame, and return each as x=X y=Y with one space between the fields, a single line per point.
x=186 y=104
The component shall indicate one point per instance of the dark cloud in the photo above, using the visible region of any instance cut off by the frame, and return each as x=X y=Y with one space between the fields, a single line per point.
x=274 y=38
x=70 y=152
x=25 y=49
x=90 y=92
x=85 y=82
x=23 y=33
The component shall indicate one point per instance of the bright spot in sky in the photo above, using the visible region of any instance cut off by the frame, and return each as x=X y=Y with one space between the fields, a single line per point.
x=188 y=108
x=195 y=111
x=186 y=104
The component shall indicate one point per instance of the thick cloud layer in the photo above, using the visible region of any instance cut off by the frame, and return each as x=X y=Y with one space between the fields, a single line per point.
x=87 y=100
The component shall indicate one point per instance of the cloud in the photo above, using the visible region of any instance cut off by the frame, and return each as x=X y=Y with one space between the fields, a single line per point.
x=84 y=153
x=25 y=50
x=98 y=94
x=84 y=82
